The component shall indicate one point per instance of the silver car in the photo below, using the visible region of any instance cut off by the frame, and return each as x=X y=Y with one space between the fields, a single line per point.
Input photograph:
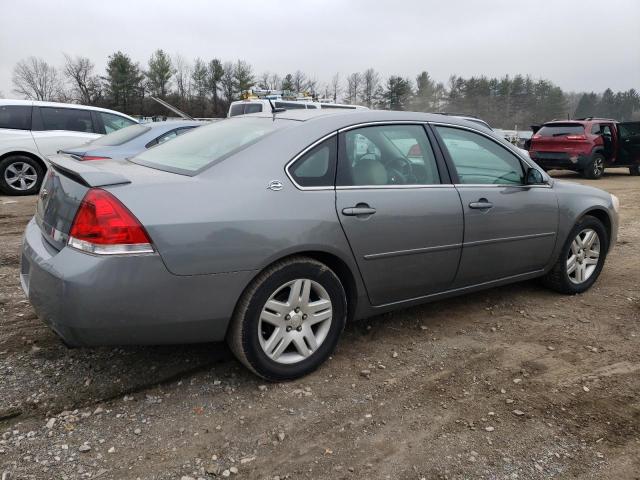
x=272 y=231
x=129 y=141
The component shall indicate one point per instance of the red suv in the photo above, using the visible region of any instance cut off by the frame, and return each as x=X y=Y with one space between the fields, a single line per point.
x=587 y=145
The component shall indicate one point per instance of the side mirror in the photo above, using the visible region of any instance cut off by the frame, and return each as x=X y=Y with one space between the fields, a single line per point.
x=534 y=177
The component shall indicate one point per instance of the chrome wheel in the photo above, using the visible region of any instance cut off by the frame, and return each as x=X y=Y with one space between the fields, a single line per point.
x=598 y=167
x=295 y=321
x=583 y=256
x=20 y=176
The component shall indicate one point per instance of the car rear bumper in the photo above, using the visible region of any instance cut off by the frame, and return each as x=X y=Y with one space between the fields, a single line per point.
x=560 y=160
x=129 y=299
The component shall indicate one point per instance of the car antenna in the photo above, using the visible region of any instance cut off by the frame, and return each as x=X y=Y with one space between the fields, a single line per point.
x=275 y=110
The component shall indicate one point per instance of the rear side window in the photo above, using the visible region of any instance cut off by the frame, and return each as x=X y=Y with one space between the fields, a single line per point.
x=17 y=117
x=561 y=130
x=114 y=122
x=595 y=129
x=189 y=154
x=317 y=167
x=290 y=105
x=67 y=119
x=253 y=108
x=120 y=137
x=331 y=105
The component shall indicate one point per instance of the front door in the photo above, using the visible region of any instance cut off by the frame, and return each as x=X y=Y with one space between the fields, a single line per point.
x=629 y=141
x=510 y=227
x=403 y=223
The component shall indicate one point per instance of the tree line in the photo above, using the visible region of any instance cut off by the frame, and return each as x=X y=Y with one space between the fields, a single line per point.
x=204 y=88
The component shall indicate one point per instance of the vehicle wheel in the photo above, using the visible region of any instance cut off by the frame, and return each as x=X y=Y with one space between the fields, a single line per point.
x=581 y=259
x=20 y=175
x=595 y=168
x=634 y=170
x=289 y=320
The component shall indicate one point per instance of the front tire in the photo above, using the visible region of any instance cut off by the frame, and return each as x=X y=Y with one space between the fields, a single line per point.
x=595 y=168
x=581 y=259
x=20 y=175
x=289 y=319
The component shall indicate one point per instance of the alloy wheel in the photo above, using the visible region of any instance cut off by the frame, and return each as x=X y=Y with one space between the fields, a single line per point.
x=20 y=176
x=295 y=321
x=598 y=167
x=583 y=256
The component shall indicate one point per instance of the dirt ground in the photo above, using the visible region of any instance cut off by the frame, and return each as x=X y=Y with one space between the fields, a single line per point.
x=513 y=382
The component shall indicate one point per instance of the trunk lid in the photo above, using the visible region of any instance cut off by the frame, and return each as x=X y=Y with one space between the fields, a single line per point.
x=62 y=191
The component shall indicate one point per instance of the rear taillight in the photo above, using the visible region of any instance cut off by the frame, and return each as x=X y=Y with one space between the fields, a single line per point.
x=576 y=137
x=537 y=136
x=92 y=157
x=104 y=226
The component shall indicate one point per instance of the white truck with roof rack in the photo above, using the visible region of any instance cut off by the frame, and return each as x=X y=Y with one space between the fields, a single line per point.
x=260 y=100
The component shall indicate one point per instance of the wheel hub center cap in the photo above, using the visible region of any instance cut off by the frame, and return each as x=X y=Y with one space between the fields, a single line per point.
x=296 y=319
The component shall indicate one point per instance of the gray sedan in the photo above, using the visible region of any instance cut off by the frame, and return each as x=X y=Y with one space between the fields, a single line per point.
x=132 y=140
x=273 y=231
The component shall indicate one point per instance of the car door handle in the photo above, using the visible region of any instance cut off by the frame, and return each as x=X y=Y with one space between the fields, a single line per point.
x=358 y=210
x=481 y=204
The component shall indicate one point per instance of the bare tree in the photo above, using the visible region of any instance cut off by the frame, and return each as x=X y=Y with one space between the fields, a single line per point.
x=182 y=77
x=335 y=87
x=354 y=84
x=35 y=79
x=370 y=84
x=228 y=82
x=86 y=87
x=312 y=86
x=299 y=81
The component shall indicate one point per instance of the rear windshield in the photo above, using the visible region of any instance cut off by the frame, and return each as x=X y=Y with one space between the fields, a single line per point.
x=121 y=136
x=204 y=146
x=561 y=129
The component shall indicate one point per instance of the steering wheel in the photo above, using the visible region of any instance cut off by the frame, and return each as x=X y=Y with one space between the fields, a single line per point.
x=403 y=168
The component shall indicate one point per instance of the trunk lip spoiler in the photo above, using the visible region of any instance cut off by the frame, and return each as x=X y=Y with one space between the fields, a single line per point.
x=86 y=174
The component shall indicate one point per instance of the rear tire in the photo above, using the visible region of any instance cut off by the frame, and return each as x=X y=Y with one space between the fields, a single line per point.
x=634 y=170
x=562 y=278
x=595 y=168
x=260 y=345
x=20 y=175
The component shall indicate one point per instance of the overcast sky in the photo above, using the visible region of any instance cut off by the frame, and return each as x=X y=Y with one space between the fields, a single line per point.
x=579 y=45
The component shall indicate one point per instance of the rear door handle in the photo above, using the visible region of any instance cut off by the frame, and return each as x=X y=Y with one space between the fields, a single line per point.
x=482 y=204
x=358 y=210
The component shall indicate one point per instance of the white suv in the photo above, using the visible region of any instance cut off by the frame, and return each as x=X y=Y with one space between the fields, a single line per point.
x=30 y=131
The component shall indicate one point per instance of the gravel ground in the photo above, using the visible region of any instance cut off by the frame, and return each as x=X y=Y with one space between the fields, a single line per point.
x=513 y=382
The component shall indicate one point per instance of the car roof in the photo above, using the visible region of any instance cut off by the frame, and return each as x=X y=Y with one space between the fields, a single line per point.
x=9 y=101
x=344 y=118
x=175 y=123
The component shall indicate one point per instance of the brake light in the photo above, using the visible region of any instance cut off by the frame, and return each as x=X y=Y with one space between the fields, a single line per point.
x=103 y=225
x=92 y=157
x=537 y=136
x=576 y=137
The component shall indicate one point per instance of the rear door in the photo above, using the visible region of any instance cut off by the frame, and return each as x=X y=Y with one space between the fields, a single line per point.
x=59 y=128
x=510 y=228
x=399 y=211
x=629 y=142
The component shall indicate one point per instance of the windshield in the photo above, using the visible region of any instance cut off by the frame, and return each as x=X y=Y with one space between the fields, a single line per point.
x=561 y=130
x=121 y=136
x=207 y=145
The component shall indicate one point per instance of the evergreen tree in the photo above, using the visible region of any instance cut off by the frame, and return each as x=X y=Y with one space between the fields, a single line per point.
x=123 y=82
x=159 y=74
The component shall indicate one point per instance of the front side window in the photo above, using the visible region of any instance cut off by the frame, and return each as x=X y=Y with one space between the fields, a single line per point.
x=67 y=119
x=387 y=155
x=114 y=122
x=479 y=160
x=17 y=117
x=317 y=167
